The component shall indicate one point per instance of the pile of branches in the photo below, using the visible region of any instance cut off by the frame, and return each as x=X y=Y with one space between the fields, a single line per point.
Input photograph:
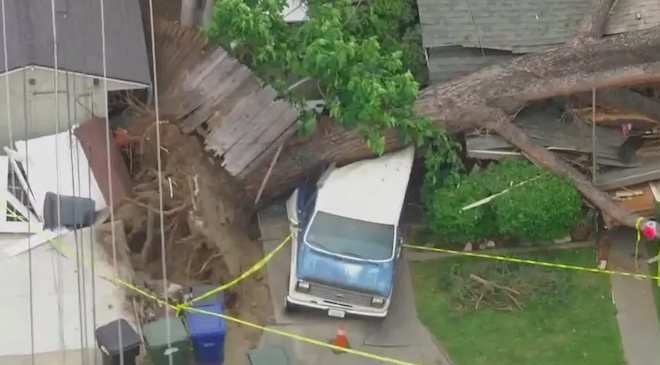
x=502 y=286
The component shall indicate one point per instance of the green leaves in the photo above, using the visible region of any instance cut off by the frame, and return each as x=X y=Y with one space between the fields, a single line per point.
x=367 y=61
x=546 y=207
x=446 y=218
x=355 y=55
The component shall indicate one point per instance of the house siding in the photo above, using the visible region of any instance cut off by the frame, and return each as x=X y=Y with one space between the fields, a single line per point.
x=32 y=111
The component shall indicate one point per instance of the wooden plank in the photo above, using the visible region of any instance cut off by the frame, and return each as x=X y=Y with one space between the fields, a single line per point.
x=248 y=109
x=626 y=177
x=236 y=123
x=206 y=79
x=281 y=140
x=191 y=87
x=263 y=141
x=223 y=91
x=259 y=125
x=245 y=90
x=226 y=78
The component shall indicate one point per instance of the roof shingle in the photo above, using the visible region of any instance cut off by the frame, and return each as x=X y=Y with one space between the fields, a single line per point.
x=29 y=37
x=511 y=25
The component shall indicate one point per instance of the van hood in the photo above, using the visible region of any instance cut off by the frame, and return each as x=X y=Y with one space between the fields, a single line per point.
x=350 y=274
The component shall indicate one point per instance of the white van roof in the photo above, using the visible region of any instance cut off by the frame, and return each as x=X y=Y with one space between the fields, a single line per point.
x=369 y=190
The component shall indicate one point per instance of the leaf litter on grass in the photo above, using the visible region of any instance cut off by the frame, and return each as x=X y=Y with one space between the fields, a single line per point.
x=502 y=285
x=487 y=312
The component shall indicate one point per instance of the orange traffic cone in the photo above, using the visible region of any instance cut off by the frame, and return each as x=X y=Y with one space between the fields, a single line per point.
x=340 y=339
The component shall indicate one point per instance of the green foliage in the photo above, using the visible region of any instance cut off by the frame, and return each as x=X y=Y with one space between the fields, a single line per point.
x=362 y=59
x=545 y=206
x=445 y=217
x=394 y=23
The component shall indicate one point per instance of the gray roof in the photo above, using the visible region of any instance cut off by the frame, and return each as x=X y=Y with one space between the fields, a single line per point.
x=520 y=26
x=29 y=37
x=447 y=63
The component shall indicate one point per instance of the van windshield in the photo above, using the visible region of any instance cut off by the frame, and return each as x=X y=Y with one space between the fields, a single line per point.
x=351 y=237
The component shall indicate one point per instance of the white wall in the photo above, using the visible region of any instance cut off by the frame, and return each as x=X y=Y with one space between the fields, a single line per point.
x=55 y=279
x=78 y=100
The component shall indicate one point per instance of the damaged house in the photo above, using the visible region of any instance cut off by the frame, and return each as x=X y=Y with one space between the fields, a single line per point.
x=463 y=38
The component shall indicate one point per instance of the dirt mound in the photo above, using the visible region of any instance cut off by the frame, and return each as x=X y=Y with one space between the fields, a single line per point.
x=204 y=226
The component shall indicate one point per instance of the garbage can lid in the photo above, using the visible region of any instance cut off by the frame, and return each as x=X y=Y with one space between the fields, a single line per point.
x=107 y=337
x=155 y=333
x=200 y=290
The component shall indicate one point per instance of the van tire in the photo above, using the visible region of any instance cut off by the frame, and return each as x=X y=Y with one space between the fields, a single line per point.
x=290 y=307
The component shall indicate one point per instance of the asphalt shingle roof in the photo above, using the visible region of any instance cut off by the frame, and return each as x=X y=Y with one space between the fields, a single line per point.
x=520 y=26
x=447 y=63
x=29 y=37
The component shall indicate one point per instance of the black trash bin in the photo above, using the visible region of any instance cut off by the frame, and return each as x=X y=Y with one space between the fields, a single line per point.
x=107 y=339
x=74 y=212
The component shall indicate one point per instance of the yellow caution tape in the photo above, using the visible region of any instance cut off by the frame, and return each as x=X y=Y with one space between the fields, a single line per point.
x=256 y=267
x=637 y=241
x=68 y=251
x=308 y=340
x=532 y=262
x=186 y=307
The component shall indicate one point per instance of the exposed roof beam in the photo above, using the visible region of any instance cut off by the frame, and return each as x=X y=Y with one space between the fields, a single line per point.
x=625 y=99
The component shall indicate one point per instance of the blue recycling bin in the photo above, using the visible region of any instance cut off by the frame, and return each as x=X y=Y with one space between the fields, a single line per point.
x=207 y=333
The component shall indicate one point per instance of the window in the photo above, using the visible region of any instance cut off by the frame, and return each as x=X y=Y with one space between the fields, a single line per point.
x=17 y=202
x=351 y=237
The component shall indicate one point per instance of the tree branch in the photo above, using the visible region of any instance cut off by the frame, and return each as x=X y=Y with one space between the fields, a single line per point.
x=623 y=60
x=551 y=161
x=593 y=23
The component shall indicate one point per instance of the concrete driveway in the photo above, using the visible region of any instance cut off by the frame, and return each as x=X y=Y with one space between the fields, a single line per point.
x=400 y=336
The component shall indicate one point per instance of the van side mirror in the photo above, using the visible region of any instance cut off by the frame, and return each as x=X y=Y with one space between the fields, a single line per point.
x=399 y=236
x=294 y=222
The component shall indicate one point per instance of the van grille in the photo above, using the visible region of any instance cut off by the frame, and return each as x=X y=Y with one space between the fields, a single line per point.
x=339 y=295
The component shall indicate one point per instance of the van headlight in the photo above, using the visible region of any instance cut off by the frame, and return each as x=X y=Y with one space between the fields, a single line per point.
x=378 y=302
x=302 y=286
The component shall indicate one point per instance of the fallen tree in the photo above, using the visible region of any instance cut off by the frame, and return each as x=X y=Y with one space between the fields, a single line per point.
x=489 y=98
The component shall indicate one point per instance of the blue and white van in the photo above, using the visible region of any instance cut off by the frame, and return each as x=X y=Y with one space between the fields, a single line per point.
x=346 y=234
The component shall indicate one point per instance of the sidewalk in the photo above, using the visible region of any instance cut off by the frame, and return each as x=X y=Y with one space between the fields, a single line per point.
x=635 y=302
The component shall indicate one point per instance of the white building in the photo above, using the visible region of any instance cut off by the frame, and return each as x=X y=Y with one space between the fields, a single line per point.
x=28 y=102
x=58 y=306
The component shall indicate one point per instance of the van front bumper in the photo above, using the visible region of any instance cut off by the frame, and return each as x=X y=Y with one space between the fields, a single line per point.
x=309 y=301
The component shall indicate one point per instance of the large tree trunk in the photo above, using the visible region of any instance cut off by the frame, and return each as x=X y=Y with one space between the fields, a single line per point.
x=582 y=64
x=299 y=156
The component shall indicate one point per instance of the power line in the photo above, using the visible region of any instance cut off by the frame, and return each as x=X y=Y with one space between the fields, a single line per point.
x=160 y=171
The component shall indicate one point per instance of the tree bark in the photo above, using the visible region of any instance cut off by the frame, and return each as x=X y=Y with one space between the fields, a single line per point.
x=300 y=156
x=622 y=60
x=593 y=23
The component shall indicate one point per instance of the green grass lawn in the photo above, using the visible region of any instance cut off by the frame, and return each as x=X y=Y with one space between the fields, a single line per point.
x=567 y=317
